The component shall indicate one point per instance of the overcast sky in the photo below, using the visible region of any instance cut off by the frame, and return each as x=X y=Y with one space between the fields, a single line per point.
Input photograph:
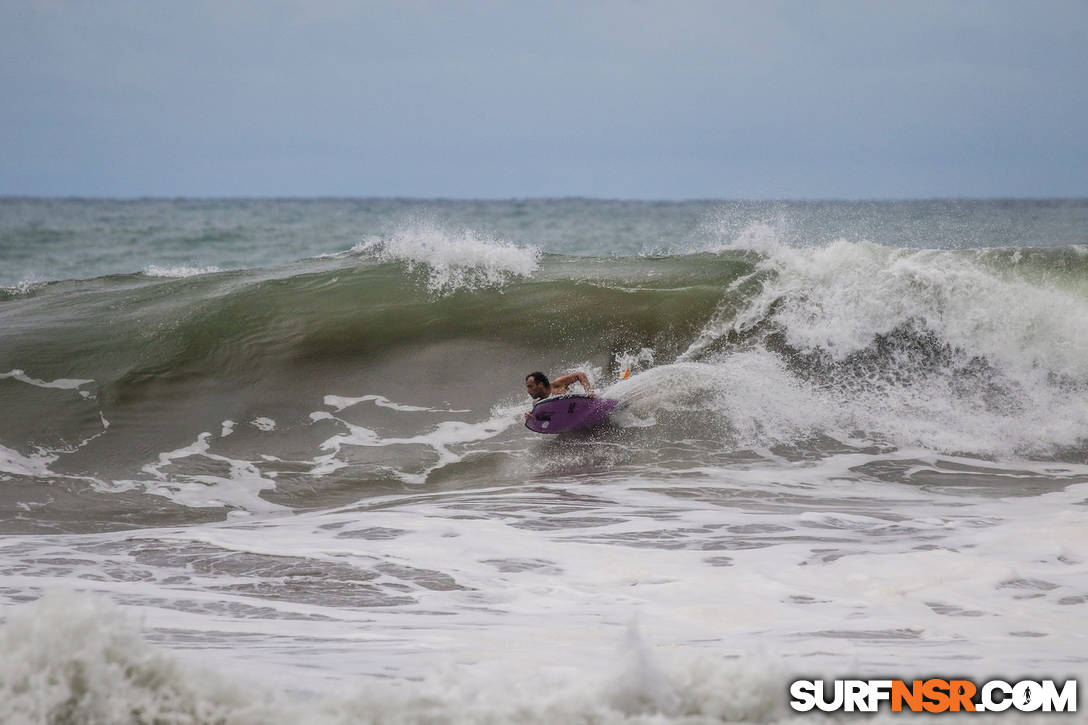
x=617 y=98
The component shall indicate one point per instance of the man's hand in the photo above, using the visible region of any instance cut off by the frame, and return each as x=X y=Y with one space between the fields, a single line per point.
x=561 y=383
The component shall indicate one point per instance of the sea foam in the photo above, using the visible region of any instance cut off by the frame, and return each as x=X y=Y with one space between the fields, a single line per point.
x=78 y=658
x=453 y=260
x=155 y=270
x=921 y=347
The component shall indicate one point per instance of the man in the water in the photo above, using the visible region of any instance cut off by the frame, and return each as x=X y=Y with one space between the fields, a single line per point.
x=537 y=385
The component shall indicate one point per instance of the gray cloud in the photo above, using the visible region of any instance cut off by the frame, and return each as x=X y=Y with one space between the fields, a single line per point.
x=501 y=99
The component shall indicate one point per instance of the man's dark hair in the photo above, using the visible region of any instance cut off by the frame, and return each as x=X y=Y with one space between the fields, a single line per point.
x=539 y=377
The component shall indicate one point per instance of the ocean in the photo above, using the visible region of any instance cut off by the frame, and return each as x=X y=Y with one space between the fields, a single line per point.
x=263 y=461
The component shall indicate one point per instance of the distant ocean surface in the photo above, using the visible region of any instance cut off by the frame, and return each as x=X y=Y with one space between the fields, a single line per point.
x=263 y=461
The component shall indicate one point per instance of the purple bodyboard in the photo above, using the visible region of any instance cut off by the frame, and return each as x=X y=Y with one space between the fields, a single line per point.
x=561 y=413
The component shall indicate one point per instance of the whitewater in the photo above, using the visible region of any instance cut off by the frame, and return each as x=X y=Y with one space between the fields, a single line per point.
x=264 y=461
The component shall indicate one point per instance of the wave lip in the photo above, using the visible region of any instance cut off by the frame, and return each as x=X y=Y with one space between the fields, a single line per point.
x=950 y=350
x=154 y=270
x=453 y=260
x=23 y=288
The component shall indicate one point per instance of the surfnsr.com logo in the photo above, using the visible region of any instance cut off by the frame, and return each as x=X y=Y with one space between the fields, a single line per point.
x=933 y=695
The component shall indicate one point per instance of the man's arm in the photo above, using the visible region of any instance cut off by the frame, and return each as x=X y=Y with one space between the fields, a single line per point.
x=580 y=377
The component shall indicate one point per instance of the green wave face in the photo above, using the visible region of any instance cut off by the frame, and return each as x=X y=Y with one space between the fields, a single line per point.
x=978 y=350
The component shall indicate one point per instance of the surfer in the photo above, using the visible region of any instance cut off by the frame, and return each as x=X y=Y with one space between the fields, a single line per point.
x=537 y=385
x=556 y=409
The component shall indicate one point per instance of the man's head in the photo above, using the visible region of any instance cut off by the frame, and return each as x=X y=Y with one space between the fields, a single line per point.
x=537 y=385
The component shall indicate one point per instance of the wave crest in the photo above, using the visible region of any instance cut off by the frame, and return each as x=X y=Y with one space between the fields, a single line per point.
x=453 y=260
x=155 y=270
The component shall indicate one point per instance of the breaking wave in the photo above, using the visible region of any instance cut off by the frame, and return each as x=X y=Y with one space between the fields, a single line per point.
x=403 y=360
